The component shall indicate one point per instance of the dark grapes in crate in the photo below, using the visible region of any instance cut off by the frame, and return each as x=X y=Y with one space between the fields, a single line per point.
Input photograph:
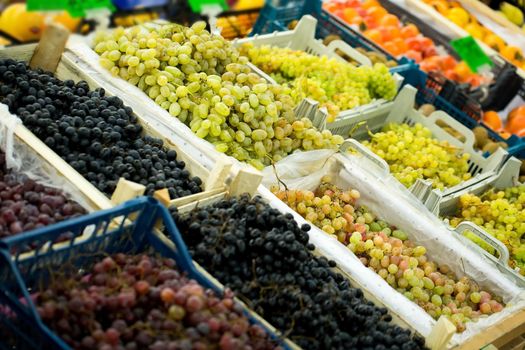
x=96 y=134
x=26 y=205
x=265 y=257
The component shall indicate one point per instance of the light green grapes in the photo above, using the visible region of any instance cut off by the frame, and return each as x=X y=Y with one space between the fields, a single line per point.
x=413 y=154
x=204 y=82
x=390 y=253
x=335 y=84
x=502 y=214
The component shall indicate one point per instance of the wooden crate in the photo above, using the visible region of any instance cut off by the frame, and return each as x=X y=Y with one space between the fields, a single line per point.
x=91 y=195
x=396 y=319
x=214 y=180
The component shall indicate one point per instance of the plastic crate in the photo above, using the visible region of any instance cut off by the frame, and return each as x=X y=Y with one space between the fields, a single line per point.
x=302 y=38
x=443 y=205
x=128 y=5
x=127 y=228
x=401 y=111
x=426 y=93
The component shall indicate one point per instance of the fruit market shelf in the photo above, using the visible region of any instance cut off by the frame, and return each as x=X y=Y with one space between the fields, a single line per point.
x=128 y=228
x=302 y=38
x=400 y=111
x=445 y=205
x=95 y=199
x=405 y=215
x=420 y=7
x=214 y=180
x=396 y=318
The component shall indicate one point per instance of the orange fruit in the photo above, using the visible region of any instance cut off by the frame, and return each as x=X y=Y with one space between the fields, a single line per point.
x=402 y=47
x=377 y=12
x=516 y=124
x=492 y=119
x=474 y=80
x=494 y=42
x=392 y=48
x=463 y=70
x=390 y=33
x=512 y=53
x=414 y=44
x=414 y=55
x=369 y=3
x=409 y=31
x=389 y=20
x=516 y=112
x=520 y=133
x=349 y=14
x=504 y=134
x=374 y=35
x=448 y=62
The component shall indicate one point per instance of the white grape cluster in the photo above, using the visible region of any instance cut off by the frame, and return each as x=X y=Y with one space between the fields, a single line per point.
x=335 y=84
x=500 y=213
x=204 y=82
x=412 y=153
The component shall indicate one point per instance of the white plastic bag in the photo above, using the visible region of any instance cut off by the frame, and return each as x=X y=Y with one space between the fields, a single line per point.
x=20 y=159
x=397 y=206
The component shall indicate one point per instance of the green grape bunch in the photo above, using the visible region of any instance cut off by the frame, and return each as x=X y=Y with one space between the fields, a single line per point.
x=388 y=251
x=412 y=153
x=336 y=85
x=501 y=214
x=202 y=80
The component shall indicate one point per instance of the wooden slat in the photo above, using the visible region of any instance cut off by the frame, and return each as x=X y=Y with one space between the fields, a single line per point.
x=90 y=193
x=501 y=333
x=49 y=50
x=213 y=181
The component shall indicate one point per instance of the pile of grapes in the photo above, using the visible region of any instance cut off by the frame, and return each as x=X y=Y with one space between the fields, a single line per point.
x=335 y=84
x=143 y=302
x=265 y=257
x=413 y=154
x=388 y=251
x=501 y=214
x=96 y=134
x=204 y=82
x=26 y=205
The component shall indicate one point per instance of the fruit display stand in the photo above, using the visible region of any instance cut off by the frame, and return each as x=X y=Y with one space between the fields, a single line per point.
x=400 y=111
x=213 y=178
x=83 y=55
x=447 y=205
x=361 y=282
x=479 y=8
x=457 y=32
x=276 y=18
x=399 y=208
x=302 y=38
x=35 y=158
x=128 y=228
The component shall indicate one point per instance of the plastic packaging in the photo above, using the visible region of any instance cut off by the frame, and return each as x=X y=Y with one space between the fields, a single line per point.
x=395 y=205
x=22 y=160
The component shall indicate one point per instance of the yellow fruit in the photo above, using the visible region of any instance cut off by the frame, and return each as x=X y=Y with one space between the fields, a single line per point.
x=475 y=30
x=512 y=12
x=20 y=24
x=459 y=16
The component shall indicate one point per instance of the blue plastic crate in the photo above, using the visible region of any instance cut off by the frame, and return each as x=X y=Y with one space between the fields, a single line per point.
x=277 y=17
x=127 y=228
x=128 y=5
